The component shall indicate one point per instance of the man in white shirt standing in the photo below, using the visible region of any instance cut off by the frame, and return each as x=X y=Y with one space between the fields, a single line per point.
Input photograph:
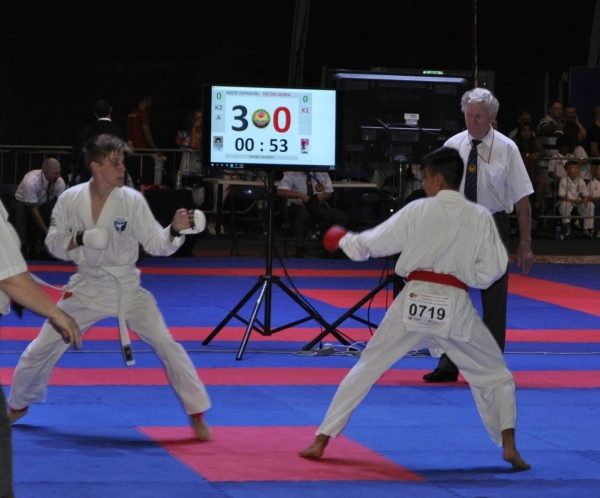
x=496 y=178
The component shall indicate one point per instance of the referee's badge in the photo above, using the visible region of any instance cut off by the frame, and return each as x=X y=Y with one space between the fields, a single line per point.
x=472 y=168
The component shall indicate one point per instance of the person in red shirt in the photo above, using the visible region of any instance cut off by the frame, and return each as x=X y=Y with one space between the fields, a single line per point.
x=138 y=126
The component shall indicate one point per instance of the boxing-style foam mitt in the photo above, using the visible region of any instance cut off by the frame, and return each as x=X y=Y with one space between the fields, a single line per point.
x=96 y=238
x=331 y=240
x=198 y=225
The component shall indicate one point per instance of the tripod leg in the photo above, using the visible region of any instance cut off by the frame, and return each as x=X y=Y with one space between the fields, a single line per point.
x=316 y=316
x=252 y=319
x=349 y=314
x=232 y=313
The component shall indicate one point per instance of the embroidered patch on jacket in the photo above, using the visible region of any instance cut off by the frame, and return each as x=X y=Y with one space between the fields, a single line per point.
x=120 y=224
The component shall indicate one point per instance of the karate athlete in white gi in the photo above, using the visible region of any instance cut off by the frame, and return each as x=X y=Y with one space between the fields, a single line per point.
x=98 y=225
x=446 y=243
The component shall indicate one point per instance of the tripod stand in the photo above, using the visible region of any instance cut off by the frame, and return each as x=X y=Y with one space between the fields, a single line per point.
x=393 y=279
x=265 y=285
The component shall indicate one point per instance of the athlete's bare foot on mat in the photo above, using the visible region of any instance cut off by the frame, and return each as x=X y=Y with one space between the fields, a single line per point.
x=316 y=449
x=510 y=453
x=513 y=457
x=201 y=428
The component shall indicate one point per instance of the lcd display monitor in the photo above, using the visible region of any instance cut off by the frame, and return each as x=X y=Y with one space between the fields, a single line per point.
x=402 y=115
x=269 y=128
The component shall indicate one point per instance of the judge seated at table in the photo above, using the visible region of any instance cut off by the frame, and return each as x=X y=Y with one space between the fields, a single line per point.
x=306 y=194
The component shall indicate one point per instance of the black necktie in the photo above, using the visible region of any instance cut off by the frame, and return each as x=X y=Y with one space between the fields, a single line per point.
x=309 y=187
x=471 y=177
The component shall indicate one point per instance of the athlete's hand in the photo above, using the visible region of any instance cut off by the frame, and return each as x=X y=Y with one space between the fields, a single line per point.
x=96 y=238
x=66 y=327
x=197 y=222
x=331 y=240
x=181 y=220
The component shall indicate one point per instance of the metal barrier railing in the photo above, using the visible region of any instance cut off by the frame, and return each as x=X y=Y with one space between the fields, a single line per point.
x=172 y=167
x=160 y=166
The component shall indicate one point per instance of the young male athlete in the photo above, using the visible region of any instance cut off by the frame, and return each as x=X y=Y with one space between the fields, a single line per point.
x=446 y=244
x=99 y=225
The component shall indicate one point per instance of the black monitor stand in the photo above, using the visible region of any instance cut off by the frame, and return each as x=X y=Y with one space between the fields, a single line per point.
x=264 y=285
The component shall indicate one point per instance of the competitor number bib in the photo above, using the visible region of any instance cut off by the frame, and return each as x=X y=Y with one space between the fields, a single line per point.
x=430 y=310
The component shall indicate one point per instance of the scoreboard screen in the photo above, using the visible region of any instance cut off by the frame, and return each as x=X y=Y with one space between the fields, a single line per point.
x=269 y=128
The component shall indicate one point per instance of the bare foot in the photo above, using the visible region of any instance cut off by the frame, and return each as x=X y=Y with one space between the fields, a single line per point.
x=316 y=449
x=14 y=415
x=201 y=429
x=513 y=457
x=510 y=453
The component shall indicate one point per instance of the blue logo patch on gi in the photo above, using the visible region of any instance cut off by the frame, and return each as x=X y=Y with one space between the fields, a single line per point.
x=120 y=224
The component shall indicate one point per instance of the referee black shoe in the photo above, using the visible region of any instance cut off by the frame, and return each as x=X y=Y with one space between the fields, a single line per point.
x=440 y=376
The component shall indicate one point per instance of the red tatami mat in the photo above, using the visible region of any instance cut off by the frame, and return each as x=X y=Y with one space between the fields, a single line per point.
x=346 y=299
x=568 y=335
x=291 y=377
x=241 y=454
x=300 y=334
x=565 y=295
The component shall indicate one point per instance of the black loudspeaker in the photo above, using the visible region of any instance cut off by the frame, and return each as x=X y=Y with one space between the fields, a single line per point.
x=163 y=204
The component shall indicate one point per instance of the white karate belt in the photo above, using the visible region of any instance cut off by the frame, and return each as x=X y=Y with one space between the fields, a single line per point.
x=123 y=334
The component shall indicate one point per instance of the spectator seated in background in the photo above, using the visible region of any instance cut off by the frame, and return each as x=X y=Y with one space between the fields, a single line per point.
x=557 y=165
x=574 y=193
x=524 y=117
x=531 y=149
x=551 y=127
x=306 y=195
x=593 y=134
x=571 y=118
x=594 y=187
x=35 y=198
x=571 y=131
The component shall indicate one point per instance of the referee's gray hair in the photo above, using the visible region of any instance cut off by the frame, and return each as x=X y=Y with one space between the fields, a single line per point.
x=50 y=164
x=480 y=96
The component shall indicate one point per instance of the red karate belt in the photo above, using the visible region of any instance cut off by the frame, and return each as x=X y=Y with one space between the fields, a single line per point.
x=437 y=278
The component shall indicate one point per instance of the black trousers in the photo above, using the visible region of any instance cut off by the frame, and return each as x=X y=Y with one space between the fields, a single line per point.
x=493 y=301
x=301 y=218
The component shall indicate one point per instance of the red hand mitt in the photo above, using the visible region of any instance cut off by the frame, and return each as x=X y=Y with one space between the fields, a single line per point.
x=331 y=240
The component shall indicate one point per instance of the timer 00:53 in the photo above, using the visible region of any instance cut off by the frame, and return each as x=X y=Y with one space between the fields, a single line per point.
x=248 y=144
